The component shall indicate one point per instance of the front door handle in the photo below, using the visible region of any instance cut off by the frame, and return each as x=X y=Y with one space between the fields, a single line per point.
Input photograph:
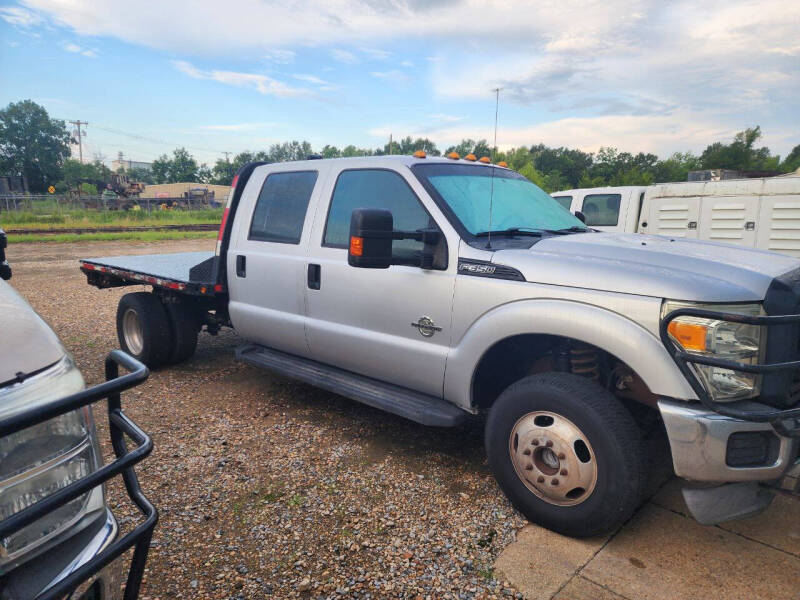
x=314 y=277
x=241 y=265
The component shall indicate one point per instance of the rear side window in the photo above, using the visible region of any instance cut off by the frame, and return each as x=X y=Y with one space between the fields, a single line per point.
x=281 y=207
x=564 y=201
x=601 y=209
x=375 y=188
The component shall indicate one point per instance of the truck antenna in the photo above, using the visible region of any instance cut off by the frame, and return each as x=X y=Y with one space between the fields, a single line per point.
x=494 y=154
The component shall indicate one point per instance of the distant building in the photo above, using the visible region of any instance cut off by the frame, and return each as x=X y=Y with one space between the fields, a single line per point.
x=121 y=164
x=182 y=190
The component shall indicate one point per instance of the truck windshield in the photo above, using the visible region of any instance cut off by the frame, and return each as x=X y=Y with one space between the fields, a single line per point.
x=517 y=204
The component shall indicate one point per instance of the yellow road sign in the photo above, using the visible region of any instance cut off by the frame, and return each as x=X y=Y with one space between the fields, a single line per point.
x=51 y=189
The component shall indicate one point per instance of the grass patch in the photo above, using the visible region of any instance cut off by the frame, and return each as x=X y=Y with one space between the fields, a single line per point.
x=134 y=236
x=99 y=218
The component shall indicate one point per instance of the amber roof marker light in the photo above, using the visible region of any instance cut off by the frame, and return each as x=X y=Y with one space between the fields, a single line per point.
x=470 y=157
x=503 y=164
x=454 y=156
x=420 y=154
x=485 y=160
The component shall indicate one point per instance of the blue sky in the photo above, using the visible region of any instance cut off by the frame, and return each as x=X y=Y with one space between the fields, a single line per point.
x=242 y=74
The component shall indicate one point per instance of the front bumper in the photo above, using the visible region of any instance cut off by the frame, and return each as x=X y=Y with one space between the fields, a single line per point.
x=699 y=441
x=86 y=563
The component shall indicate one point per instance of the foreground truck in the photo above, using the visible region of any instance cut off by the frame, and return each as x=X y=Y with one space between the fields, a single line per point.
x=58 y=536
x=438 y=288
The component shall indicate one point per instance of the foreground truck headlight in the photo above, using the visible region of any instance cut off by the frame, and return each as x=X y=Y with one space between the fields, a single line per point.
x=738 y=342
x=40 y=460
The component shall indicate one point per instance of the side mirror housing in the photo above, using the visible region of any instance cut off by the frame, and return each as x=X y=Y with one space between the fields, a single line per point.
x=371 y=234
x=581 y=216
x=5 y=269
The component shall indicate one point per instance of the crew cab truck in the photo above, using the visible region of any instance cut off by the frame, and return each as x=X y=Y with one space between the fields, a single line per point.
x=437 y=288
x=58 y=536
x=755 y=213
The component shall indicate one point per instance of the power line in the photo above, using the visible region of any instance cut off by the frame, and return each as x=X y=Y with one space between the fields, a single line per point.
x=156 y=140
x=78 y=124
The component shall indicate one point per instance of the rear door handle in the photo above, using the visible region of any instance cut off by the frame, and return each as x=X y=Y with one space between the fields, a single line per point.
x=314 y=277
x=241 y=265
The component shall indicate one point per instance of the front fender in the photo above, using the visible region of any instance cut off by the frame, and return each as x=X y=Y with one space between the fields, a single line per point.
x=610 y=331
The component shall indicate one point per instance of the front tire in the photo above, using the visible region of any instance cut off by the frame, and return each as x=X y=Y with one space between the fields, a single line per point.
x=143 y=328
x=566 y=453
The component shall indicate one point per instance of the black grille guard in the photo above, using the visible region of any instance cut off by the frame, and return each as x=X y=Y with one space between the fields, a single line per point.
x=777 y=418
x=119 y=426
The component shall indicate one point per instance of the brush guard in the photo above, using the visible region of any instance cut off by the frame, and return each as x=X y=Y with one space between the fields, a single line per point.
x=786 y=422
x=119 y=426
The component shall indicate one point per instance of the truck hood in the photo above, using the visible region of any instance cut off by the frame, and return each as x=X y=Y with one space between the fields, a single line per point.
x=650 y=265
x=27 y=344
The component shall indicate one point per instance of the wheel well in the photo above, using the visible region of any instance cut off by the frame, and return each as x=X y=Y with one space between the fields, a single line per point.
x=518 y=356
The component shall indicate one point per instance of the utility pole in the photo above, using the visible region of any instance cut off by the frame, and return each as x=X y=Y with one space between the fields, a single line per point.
x=78 y=124
x=390 y=144
x=226 y=156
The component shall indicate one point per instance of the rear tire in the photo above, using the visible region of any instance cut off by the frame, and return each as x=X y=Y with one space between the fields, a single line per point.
x=143 y=328
x=185 y=326
x=566 y=453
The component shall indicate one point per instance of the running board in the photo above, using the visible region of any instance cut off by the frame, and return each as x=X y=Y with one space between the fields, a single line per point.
x=424 y=409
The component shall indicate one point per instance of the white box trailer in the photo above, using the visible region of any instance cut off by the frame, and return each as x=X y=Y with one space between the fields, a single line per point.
x=758 y=213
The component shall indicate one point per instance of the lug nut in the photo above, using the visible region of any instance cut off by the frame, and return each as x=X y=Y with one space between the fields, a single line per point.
x=561 y=456
x=554 y=482
x=549 y=443
x=527 y=451
x=535 y=442
x=529 y=467
x=540 y=479
x=563 y=472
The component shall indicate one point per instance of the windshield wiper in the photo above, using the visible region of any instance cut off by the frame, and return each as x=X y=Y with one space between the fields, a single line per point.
x=512 y=231
x=567 y=230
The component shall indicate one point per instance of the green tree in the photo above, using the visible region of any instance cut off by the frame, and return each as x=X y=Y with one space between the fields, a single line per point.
x=204 y=174
x=32 y=144
x=569 y=164
x=181 y=167
x=329 y=151
x=349 y=151
x=223 y=171
x=141 y=175
x=792 y=160
x=741 y=154
x=676 y=167
x=529 y=171
x=469 y=146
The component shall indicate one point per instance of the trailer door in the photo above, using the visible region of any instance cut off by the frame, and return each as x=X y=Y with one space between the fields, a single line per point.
x=779 y=224
x=729 y=219
x=673 y=216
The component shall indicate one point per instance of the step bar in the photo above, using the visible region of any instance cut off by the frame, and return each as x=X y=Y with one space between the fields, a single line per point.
x=421 y=408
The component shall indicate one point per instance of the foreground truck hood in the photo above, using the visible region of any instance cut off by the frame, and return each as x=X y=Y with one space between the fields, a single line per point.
x=27 y=344
x=650 y=265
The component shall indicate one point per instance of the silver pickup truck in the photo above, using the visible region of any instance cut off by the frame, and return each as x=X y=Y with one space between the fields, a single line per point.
x=438 y=288
x=58 y=537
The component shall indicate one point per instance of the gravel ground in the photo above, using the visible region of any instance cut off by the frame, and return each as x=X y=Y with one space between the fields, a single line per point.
x=269 y=488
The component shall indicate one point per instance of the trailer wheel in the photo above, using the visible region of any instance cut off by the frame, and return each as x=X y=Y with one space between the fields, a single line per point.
x=185 y=326
x=567 y=454
x=143 y=328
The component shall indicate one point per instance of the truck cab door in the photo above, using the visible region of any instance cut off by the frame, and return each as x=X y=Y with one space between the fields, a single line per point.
x=390 y=324
x=267 y=258
x=603 y=211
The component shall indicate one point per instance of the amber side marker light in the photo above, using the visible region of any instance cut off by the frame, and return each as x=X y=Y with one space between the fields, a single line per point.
x=356 y=246
x=454 y=155
x=485 y=159
x=689 y=335
x=470 y=157
x=502 y=163
x=419 y=154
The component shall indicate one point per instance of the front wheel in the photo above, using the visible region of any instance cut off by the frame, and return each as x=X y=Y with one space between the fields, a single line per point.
x=567 y=454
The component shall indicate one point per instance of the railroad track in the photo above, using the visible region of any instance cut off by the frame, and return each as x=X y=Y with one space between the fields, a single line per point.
x=112 y=229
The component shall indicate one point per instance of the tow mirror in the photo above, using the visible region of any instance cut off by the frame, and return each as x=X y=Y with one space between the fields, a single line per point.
x=371 y=233
x=5 y=269
x=580 y=216
x=371 y=236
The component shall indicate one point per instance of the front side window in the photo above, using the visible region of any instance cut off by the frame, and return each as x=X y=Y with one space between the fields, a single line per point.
x=470 y=191
x=601 y=209
x=564 y=201
x=375 y=188
x=281 y=207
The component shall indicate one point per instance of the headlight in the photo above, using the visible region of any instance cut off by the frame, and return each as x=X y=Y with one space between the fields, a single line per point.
x=40 y=460
x=721 y=339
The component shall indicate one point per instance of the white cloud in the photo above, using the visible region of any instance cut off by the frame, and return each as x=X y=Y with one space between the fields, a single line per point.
x=375 y=53
x=311 y=79
x=263 y=84
x=393 y=77
x=344 y=56
x=75 y=49
x=283 y=57
x=20 y=17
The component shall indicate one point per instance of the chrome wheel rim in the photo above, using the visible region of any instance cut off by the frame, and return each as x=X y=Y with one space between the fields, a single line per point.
x=553 y=458
x=132 y=331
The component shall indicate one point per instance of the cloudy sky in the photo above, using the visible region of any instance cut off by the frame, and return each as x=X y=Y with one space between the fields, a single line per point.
x=240 y=74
